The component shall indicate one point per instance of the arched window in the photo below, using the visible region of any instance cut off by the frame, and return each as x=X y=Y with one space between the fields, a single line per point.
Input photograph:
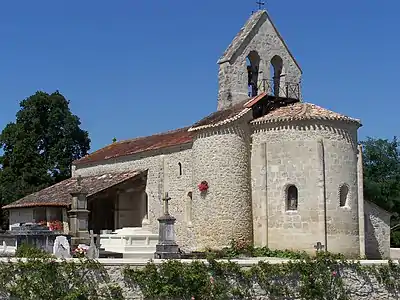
x=276 y=73
x=253 y=65
x=292 y=198
x=180 y=168
x=343 y=195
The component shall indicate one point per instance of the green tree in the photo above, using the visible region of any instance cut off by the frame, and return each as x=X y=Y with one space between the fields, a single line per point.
x=382 y=177
x=39 y=147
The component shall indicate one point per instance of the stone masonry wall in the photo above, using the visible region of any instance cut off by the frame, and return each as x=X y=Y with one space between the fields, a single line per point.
x=362 y=288
x=163 y=173
x=293 y=157
x=221 y=157
x=267 y=43
x=377 y=231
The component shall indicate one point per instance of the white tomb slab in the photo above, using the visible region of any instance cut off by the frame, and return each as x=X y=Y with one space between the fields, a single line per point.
x=132 y=242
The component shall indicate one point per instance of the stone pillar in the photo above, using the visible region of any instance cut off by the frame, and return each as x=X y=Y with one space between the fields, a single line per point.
x=78 y=216
x=360 y=184
x=166 y=247
x=65 y=220
x=322 y=195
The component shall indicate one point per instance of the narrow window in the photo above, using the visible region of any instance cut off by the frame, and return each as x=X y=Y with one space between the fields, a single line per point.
x=343 y=195
x=292 y=198
x=189 y=209
x=180 y=168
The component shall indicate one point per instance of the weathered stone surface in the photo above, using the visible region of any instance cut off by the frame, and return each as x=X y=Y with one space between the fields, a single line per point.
x=377 y=231
x=259 y=35
x=292 y=158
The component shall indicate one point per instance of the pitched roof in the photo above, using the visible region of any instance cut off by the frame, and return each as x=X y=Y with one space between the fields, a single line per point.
x=228 y=115
x=253 y=23
x=60 y=194
x=137 y=145
x=302 y=111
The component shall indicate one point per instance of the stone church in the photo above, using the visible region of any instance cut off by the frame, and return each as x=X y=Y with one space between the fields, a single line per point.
x=265 y=167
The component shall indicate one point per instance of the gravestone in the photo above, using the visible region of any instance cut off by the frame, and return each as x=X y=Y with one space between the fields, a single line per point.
x=36 y=236
x=61 y=248
x=93 y=251
x=166 y=247
x=4 y=250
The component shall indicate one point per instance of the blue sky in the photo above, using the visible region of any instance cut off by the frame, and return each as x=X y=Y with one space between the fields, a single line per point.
x=134 y=68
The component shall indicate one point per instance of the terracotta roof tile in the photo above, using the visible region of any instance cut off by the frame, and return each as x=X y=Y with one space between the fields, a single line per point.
x=228 y=115
x=60 y=194
x=302 y=111
x=171 y=138
x=137 y=145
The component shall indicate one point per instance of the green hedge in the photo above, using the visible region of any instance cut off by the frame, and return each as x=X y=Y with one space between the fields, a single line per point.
x=325 y=276
x=321 y=277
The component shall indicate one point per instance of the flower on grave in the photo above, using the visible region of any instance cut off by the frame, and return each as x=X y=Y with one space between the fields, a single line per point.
x=334 y=273
x=203 y=186
x=79 y=252
x=42 y=223
x=56 y=225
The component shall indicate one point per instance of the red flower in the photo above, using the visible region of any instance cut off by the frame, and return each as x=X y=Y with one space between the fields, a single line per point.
x=334 y=273
x=203 y=186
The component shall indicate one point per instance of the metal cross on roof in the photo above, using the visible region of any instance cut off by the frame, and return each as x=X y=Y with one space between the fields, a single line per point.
x=260 y=4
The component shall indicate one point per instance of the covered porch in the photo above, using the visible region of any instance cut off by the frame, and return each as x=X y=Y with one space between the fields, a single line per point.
x=115 y=201
x=123 y=205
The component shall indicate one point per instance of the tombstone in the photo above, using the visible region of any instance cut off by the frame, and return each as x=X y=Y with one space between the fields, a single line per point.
x=4 y=251
x=61 y=248
x=166 y=247
x=319 y=247
x=35 y=235
x=93 y=251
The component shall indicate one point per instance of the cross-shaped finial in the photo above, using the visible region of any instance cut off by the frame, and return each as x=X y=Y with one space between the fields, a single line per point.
x=166 y=199
x=79 y=180
x=260 y=4
x=319 y=246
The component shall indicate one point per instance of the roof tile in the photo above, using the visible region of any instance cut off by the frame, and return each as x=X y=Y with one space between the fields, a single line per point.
x=59 y=194
x=302 y=111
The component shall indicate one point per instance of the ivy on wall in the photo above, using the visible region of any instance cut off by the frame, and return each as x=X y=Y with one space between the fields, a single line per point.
x=322 y=277
x=325 y=276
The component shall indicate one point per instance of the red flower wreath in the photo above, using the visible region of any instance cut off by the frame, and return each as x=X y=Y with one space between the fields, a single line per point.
x=203 y=186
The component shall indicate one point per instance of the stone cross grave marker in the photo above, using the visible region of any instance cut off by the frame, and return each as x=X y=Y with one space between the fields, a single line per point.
x=319 y=246
x=165 y=202
x=61 y=247
x=93 y=252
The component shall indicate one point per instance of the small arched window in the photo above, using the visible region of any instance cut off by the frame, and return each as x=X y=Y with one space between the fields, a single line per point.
x=343 y=195
x=180 y=168
x=292 y=198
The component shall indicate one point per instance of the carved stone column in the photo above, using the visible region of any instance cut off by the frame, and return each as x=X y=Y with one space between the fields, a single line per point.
x=78 y=216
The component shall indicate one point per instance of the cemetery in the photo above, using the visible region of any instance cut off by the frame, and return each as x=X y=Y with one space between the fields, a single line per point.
x=228 y=208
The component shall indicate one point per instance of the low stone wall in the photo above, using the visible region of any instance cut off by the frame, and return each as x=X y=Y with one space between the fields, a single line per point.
x=362 y=288
x=395 y=253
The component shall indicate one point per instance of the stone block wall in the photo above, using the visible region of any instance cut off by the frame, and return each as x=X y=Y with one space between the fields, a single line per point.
x=164 y=175
x=267 y=42
x=221 y=157
x=377 y=231
x=318 y=158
